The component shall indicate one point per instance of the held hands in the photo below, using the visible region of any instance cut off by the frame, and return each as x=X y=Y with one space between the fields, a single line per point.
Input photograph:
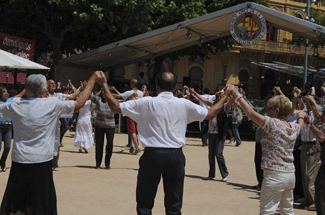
x=277 y=91
x=241 y=91
x=296 y=92
x=309 y=99
x=302 y=114
x=307 y=119
x=100 y=78
x=191 y=90
x=231 y=89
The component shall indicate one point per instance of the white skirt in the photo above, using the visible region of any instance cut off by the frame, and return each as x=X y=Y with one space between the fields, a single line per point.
x=84 y=133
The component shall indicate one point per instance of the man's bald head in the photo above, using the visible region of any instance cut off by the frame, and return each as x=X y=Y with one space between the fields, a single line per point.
x=166 y=81
x=51 y=86
x=134 y=83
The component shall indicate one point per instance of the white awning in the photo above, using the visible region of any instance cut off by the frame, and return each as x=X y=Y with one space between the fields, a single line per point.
x=11 y=61
x=171 y=38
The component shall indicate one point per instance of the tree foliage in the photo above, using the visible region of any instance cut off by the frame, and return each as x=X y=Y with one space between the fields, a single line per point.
x=68 y=25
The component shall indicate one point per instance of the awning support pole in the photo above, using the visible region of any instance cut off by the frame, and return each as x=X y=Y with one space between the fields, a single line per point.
x=306 y=48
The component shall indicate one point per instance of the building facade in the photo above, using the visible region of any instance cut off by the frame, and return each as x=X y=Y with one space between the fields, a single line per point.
x=258 y=81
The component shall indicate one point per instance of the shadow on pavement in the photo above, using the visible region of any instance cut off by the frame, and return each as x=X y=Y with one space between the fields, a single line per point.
x=245 y=187
x=126 y=152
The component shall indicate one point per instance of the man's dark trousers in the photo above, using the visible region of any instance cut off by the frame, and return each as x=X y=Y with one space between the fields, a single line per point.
x=204 y=132
x=154 y=163
x=320 y=191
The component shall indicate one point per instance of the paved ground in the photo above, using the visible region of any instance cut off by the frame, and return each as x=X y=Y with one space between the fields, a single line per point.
x=83 y=190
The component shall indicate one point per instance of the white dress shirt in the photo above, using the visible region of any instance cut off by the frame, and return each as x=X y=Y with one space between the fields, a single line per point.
x=208 y=97
x=35 y=124
x=162 y=120
x=129 y=93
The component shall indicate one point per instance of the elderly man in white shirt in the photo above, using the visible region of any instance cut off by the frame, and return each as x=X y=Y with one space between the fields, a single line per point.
x=132 y=94
x=63 y=124
x=30 y=188
x=162 y=122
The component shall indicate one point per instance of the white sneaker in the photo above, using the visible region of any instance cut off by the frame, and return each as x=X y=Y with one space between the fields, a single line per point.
x=56 y=169
x=224 y=179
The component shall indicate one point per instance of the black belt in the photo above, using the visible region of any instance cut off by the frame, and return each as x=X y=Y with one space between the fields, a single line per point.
x=157 y=148
x=5 y=123
x=308 y=141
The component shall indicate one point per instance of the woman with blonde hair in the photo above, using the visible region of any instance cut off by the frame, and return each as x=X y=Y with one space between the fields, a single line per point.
x=277 y=151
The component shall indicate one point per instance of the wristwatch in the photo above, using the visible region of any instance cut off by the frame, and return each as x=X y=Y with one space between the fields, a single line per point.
x=239 y=96
x=309 y=125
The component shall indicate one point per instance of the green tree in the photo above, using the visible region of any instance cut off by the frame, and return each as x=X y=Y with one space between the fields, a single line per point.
x=65 y=25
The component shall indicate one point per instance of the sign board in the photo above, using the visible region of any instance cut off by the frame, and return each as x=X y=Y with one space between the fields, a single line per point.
x=18 y=46
x=248 y=26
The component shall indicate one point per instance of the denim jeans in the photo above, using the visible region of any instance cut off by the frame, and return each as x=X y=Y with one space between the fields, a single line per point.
x=5 y=135
x=236 y=134
x=216 y=147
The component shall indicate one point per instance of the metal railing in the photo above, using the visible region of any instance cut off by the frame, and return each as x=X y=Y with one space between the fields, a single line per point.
x=281 y=47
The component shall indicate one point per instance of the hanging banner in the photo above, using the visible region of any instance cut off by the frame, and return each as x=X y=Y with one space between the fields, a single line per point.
x=248 y=26
x=18 y=46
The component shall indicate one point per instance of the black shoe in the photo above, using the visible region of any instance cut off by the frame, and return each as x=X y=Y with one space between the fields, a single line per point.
x=131 y=150
x=107 y=167
x=3 y=168
x=257 y=187
x=209 y=178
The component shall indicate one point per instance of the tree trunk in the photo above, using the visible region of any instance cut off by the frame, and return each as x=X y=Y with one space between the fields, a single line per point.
x=56 y=46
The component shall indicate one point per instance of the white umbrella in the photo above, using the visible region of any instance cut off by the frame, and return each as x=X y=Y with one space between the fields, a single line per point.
x=11 y=61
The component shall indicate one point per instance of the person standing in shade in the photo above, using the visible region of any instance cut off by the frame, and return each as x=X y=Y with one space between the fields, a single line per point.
x=162 y=122
x=216 y=145
x=132 y=94
x=51 y=87
x=30 y=188
x=6 y=128
x=204 y=125
x=104 y=126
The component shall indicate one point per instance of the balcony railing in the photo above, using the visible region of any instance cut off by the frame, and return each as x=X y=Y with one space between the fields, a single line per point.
x=281 y=48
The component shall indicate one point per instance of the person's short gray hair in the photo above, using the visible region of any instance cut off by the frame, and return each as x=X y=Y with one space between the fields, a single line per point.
x=34 y=85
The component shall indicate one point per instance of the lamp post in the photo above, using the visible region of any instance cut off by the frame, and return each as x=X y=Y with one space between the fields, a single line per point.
x=306 y=48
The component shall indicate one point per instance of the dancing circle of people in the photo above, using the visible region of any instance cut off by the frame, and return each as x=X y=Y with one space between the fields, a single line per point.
x=289 y=137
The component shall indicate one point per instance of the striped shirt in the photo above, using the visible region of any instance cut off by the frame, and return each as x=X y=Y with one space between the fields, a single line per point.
x=105 y=117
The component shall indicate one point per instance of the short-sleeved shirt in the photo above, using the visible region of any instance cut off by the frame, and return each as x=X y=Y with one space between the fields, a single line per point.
x=35 y=124
x=278 y=142
x=6 y=102
x=162 y=120
x=105 y=117
x=61 y=96
x=208 y=97
x=129 y=93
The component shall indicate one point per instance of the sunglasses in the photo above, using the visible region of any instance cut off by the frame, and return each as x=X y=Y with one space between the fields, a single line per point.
x=270 y=108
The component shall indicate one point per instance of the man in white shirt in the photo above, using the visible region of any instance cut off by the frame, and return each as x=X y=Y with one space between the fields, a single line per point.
x=132 y=94
x=205 y=123
x=30 y=188
x=62 y=125
x=162 y=122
